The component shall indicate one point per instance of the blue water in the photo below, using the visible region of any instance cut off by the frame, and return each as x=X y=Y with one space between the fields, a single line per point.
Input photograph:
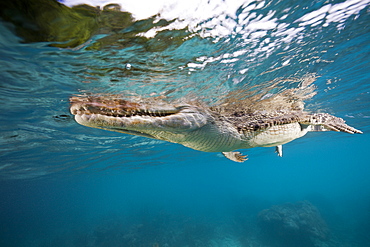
x=63 y=184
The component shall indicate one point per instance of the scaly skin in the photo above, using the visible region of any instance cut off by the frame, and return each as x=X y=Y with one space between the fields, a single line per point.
x=203 y=128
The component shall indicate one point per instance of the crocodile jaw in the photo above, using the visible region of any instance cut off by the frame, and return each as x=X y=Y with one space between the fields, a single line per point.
x=163 y=121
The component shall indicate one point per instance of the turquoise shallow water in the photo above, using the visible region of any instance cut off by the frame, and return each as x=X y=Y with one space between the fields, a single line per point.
x=63 y=184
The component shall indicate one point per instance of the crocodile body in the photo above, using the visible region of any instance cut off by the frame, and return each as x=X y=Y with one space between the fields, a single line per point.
x=208 y=129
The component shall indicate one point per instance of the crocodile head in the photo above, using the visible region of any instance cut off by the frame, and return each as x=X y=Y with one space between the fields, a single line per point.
x=136 y=118
x=159 y=121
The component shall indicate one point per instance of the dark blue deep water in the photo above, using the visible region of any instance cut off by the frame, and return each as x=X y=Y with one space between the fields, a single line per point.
x=63 y=184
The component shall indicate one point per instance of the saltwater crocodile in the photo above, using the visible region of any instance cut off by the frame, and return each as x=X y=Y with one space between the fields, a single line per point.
x=224 y=128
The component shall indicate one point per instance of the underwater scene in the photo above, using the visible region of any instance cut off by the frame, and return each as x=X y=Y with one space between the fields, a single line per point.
x=223 y=123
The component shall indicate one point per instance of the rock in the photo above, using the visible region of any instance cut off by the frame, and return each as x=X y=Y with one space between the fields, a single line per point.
x=293 y=224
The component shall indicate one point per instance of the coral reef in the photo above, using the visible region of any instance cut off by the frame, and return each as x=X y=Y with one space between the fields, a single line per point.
x=293 y=224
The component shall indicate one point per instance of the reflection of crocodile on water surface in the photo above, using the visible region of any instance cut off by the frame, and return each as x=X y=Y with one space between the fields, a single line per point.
x=267 y=121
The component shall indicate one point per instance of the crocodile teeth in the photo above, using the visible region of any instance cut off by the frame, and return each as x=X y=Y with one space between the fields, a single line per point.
x=124 y=109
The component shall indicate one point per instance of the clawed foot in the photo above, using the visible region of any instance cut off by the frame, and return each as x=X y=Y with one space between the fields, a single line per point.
x=279 y=150
x=235 y=156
